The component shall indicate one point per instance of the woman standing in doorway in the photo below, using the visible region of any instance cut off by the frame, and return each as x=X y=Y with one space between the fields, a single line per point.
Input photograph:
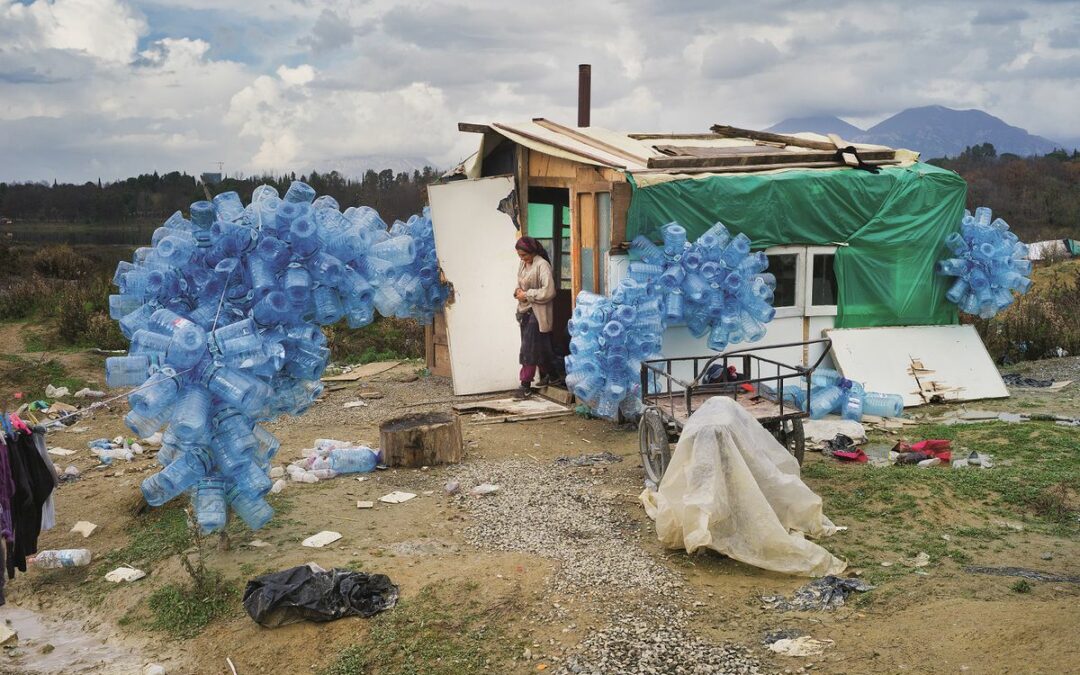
x=534 y=293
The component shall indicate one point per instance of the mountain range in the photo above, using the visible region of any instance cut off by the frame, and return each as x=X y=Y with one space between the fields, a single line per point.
x=933 y=131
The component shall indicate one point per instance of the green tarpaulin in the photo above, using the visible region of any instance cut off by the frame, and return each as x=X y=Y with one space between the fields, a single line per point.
x=890 y=229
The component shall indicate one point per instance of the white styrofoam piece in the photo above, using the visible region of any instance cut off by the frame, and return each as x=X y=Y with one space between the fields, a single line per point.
x=321 y=539
x=475 y=244
x=881 y=358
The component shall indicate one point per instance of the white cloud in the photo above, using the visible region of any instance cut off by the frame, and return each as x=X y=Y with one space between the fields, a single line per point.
x=83 y=91
x=104 y=29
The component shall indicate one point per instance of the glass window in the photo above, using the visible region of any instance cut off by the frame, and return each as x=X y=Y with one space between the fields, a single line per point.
x=566 y=281
x=784 y=267
x=823 y=291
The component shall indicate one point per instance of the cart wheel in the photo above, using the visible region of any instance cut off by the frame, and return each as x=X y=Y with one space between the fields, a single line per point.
x=654 y=445
x=790 y=435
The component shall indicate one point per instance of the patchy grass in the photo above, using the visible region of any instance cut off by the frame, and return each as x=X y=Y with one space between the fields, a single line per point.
x=1022 y=586
x=159 y=534
x=183 y=611
x=442 y=631
x=30 y=377
x=1035 y=481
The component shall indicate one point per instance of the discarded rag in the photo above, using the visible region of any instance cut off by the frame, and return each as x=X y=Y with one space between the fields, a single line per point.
x=310 y=593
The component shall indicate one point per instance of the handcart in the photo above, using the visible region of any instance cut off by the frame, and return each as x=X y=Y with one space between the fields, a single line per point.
x=758 y=384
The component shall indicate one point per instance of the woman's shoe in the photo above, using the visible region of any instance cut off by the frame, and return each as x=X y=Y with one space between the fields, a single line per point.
x=523 y=392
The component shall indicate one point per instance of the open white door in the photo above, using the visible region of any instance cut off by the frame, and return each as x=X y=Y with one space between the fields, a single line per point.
x=475 y=244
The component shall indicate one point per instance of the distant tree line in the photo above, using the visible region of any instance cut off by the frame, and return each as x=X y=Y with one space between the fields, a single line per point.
x=153 y=197
x=1039 y=197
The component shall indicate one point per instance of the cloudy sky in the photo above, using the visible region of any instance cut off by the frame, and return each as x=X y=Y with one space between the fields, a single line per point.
x=110 y=88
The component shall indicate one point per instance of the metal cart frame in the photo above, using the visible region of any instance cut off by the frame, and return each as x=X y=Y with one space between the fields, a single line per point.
x=669 y=401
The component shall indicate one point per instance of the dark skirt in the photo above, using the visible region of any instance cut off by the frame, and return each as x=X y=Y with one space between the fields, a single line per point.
x=535 y=346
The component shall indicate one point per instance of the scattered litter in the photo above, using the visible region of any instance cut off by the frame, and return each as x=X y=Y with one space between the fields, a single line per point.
x=396 y=497
x=258 y=543
x=817 y=432
x=74 y=430
x=1009 y=417
x=56 y=392
x=484 y=489
x=84 y=527
x=278 y=486
x=321 y=539
x=1008 y=525
x=309 y=592
x=926 y=463
x=828 y=592
x=1018 y=380
x=354 y=404
x=589 y=459
x=61 y=452
x=154 y=440
x=124 y=573
x=451 y=487
x=782 y=634
x=70 y=474
x=365 y=505
x=921 y=560
x=277 y=472
x=801 y=646
x=136 y=448
x=7 y=634
x=86 y=392
x=1025 y=573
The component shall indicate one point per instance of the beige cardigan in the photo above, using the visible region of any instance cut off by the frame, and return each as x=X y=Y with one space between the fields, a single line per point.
x=539 y=286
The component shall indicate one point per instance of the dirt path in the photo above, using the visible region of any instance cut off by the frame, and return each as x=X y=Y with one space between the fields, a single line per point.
x=559 y=570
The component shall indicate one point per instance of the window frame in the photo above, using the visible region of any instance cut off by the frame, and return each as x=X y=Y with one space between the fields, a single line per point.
x=808 y=268
x=800 y=279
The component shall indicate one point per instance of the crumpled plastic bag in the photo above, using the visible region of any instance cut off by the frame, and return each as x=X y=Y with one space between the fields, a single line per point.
x=310 y=593
x=733 y=488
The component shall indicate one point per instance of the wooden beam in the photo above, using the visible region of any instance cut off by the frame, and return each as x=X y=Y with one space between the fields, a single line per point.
x=548 y=141
x=470 y=128
x=620 y=205
x=735 y=132
x=521 y=176
x=765 y=167
x=779 y=158
x=695 y=137
x=590 y=141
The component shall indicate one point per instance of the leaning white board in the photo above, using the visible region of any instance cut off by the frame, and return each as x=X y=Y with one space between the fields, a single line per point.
x=920 y=363
x=475 y=245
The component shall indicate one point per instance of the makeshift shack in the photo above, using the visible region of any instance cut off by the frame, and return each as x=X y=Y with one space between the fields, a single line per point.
x=852 y=231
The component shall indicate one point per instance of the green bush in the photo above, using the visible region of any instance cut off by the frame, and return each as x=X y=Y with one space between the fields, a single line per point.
x=21 y=298
x=60 y=262
x=384 y=339
x=1041 y=322
x=81 y=313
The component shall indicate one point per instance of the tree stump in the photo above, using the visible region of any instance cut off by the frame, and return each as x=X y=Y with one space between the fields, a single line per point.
x=422 y=439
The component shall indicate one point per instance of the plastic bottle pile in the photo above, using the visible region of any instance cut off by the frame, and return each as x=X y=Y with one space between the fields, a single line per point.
x=224 y=314
x=832 y=393
x=716 y=285
x=990 y=263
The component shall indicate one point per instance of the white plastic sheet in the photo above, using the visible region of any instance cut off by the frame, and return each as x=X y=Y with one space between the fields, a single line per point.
x=733 y=488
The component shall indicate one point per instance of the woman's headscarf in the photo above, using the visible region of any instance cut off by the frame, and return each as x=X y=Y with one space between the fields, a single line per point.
x=533 y=247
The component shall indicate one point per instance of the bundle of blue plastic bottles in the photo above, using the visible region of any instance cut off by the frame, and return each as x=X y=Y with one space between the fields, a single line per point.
x=830 y=392
x=223 y=312
x=716 y=285
x=989 y=261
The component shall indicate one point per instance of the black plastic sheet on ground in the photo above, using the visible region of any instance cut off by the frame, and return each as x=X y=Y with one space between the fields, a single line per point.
x=310 y=593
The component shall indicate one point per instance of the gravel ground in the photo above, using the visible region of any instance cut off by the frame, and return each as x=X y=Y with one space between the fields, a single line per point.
x=563 y=515
x=567 y=515
x=650 y=646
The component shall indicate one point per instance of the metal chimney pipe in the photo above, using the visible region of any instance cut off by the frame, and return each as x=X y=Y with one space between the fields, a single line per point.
x=584 y=94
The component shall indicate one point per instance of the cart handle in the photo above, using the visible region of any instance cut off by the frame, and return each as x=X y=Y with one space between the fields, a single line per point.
x=799 y=370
